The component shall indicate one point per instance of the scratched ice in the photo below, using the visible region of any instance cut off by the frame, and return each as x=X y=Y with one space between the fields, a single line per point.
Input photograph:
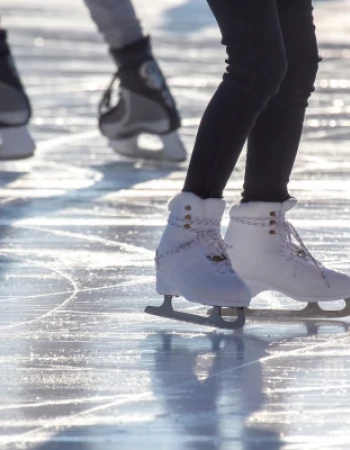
x=82 y=368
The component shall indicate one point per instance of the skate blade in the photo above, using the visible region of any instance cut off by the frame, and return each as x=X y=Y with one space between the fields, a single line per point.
x=214 y=320
x=15 y=143
x=311 y=311
x=168 y=147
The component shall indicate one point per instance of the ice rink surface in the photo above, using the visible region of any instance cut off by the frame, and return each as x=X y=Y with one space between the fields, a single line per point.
x=81 y=366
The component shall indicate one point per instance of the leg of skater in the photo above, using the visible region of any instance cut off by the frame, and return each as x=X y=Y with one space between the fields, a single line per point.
x=146 y=104
x=256 y=66
x=117 y=22
x=273 y=142
x=266 y=250
x=15 y=111
x=191 y=258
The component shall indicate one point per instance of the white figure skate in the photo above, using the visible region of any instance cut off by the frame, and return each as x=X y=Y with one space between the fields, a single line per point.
x=15 y=140
x=145 y=107
x=268 y=253
x=192 y=262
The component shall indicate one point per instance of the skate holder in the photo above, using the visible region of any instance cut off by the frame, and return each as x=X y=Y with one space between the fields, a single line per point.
x=311 y=311
x=213 y=320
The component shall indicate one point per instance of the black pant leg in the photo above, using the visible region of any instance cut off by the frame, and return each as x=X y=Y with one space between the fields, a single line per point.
x=273 y=142
x=256 y=66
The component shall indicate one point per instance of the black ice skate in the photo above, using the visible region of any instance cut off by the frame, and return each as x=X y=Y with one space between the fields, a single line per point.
x=15 y=112
x=145 y=106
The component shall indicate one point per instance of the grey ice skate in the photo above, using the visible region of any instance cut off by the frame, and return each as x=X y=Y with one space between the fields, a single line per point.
x=15 y=112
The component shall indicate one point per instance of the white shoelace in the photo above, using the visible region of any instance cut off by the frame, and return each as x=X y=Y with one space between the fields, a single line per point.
x=208 y=236
x=291 y=250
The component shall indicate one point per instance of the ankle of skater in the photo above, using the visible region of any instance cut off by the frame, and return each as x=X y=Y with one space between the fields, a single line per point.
x=203 y=194
x=133 y=55
x=277 y=196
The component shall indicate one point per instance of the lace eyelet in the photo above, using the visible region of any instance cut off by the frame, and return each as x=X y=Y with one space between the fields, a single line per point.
x=188 y=208
x=217 y=258
x=273 y=213
x=187 y=225
x=272 y=232
x=188 y=217
x=272 y=222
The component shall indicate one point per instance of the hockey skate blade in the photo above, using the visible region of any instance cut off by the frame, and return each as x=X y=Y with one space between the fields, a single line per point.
x=15 y=143
x=168 y=148
x=311 y=311
x=214 y=320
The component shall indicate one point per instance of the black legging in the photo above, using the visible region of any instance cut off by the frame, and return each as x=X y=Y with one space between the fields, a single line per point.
x=272 y=65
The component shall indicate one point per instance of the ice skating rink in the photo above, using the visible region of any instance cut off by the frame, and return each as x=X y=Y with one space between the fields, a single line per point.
x=81 y=366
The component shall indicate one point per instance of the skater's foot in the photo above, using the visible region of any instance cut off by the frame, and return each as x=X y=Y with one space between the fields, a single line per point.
x=268 y=254
x=191 y=258
x=145 y=106
x=15 y=141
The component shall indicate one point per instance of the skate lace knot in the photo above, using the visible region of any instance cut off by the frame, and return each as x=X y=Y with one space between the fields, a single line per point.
x=215 y=249
x=292 y=245
x=206 y=234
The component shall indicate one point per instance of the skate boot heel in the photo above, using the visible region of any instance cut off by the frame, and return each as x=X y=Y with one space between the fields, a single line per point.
x=173 y=148
x=15 y=143
x=164 y=285
x=15 y=111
